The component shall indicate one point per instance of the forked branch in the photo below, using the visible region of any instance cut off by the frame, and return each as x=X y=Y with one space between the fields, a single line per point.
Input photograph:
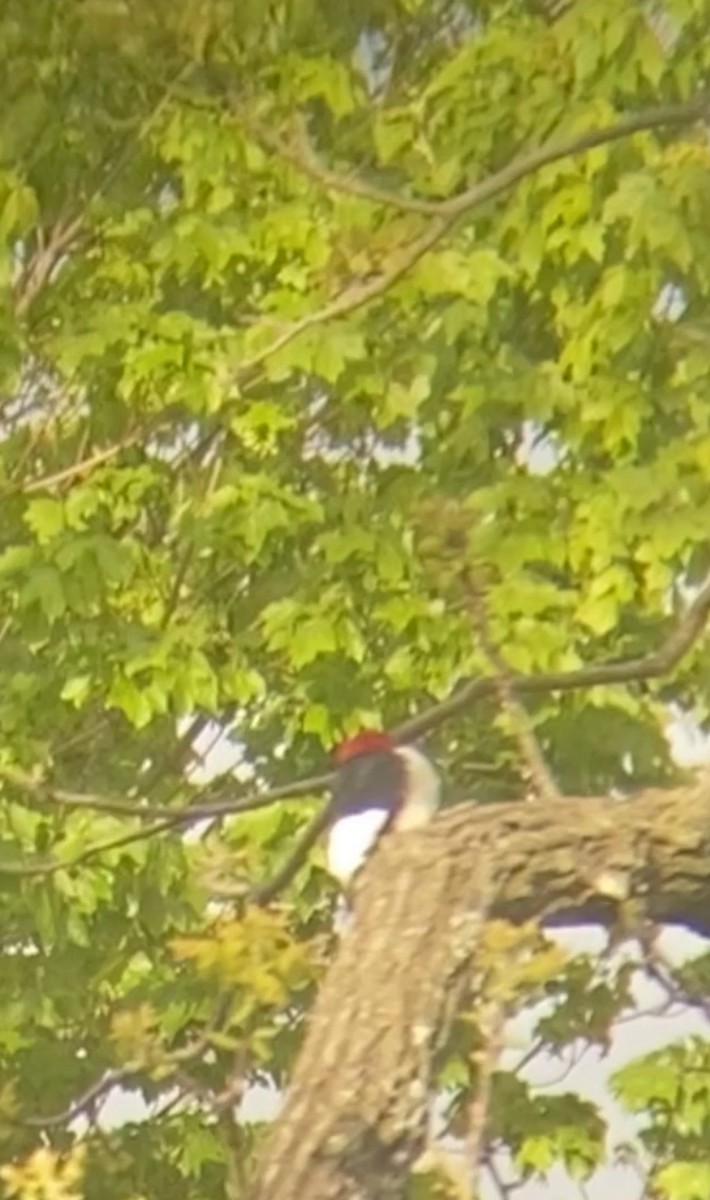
x=356 y=1117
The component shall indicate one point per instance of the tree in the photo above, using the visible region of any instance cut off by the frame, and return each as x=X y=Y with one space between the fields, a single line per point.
x=354 y=369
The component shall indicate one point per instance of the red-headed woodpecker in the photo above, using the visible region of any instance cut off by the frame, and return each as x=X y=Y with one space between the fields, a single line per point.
x=378 y=786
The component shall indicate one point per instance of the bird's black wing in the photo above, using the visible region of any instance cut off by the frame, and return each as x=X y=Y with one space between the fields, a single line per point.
x=368 y=781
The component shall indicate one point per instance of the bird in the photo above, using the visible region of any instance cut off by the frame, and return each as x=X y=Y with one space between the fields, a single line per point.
x=379 y=786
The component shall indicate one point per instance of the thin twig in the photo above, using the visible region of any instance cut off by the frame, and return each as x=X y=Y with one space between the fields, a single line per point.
x=121 y=1076
x=82 y=467
x=174 y=759
x=83 y=1103
x=299 y=152
x=659 y=967
x=357 y=294
x=44 y=793
x=265 y=892
x=505 y=1190
x=67 y=230
x=43 y=867
x=532 y=758
x=62 y=237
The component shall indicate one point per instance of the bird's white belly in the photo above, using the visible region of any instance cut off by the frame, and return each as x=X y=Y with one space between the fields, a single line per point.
x=351 y=839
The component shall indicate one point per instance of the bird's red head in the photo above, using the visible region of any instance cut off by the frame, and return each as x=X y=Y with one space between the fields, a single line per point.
x=368 y=741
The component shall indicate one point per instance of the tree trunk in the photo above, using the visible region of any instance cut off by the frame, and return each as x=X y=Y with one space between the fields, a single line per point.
x=356 y=1116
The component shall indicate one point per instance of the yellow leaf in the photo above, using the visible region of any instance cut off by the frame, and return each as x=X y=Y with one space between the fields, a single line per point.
x=46 y=1175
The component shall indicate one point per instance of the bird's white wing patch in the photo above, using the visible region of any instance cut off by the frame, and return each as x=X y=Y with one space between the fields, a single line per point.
x=351 y=839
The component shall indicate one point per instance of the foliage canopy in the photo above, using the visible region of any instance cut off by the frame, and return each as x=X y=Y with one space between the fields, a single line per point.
x=257 y=358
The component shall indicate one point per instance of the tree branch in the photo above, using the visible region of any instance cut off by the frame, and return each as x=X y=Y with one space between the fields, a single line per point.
x=651 y=666
x=50 y=250
x=528 y=163
x=626 y=670
x=356 y=1117
x=83 y=467
x=357 y=294
x=37 y=867
x=265 y=892
x=632 y=670
x=190 y=815
x=300 y=153
x=532 y=759
x=97 y=1091
x=67 y=231
x=448 y=212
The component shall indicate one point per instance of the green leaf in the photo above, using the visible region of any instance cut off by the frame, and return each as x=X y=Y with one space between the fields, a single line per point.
x=15 y=559
x=314 y=637
x=404 y=401
x=76 y=690
x=684 y=1180
x=200 y=1146
x=132 y=700
x=46 y=519
x=19 y=212
x=44 y=588
x=327 y=79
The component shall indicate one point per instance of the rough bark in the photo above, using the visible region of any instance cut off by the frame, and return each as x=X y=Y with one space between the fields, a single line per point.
x=356 y=1116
